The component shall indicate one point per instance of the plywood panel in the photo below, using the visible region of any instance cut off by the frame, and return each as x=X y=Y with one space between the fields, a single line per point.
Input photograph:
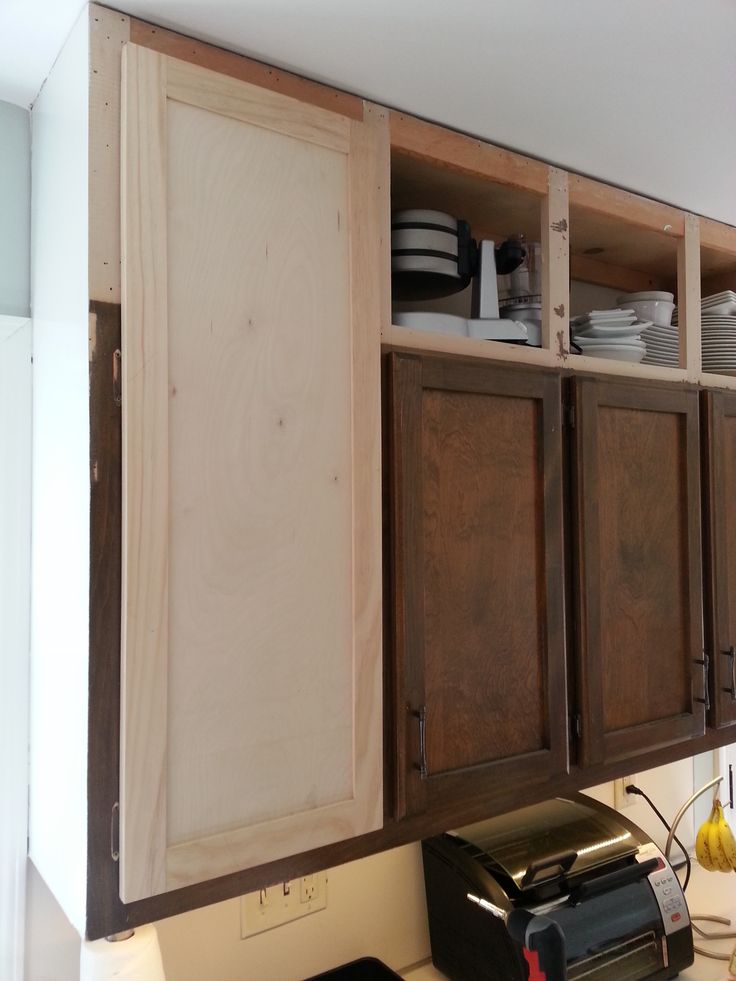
x=261 y=482
x=256 y=323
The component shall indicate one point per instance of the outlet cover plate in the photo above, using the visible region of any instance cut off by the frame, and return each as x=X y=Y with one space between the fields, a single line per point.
x=286 y=901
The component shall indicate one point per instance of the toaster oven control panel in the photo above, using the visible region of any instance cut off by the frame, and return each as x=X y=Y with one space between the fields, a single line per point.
x=667 y=891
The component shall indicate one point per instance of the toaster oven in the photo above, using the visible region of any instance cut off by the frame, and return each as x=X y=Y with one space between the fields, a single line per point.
x=596 y=879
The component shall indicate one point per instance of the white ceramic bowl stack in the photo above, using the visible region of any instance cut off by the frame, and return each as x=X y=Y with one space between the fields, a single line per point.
x=659 y=335
x=718 y=332
x=611 y=334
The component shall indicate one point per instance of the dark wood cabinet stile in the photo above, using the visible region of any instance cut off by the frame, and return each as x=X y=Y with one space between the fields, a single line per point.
x=477 y=546
x=719 y=550
x=640 y=668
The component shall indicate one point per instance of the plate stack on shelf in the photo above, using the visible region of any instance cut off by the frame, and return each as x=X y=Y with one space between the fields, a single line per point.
x=663 y=345
x=611 y=334
x=718 y=332
x=660 y=337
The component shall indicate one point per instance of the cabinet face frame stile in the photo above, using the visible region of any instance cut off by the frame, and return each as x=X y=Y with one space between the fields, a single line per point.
x=150 y=864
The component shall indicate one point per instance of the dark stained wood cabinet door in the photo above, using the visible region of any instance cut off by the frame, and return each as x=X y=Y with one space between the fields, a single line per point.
x=640 y=671
x=476 y=501
x=719 y=549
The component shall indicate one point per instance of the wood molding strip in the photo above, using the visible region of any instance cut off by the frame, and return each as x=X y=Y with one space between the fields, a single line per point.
x=145 y=518
x=210 y=90
x=688 y=286
x=243 y=68
x=633 y=209
x=459 y=152
x=718 y=236
x=556 y=265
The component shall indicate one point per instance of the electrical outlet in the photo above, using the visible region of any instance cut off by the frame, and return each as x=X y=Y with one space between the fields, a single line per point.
x=620 y=798
x=282 y=903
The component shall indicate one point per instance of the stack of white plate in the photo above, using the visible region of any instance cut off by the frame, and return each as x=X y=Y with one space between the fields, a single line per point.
x=663 y=345
x=718 y=337
x=718 y=332
x=612 y=334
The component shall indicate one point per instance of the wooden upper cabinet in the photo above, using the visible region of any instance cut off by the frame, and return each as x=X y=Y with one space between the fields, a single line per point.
x=476 y=504
x=251 y=691
x=719 y=477
x=638 y=598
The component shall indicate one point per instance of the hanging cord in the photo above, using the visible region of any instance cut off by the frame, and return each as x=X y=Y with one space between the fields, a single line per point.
x=631 y=789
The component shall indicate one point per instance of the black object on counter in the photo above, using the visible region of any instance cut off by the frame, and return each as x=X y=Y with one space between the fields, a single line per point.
x=365 y=969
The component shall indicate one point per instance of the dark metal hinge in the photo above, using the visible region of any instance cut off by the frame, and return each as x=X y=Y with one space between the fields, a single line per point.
x=117 y=385
x=576 y=725
x=115 y=832
x=421 y=715
x=705 y=700
x=569 y=416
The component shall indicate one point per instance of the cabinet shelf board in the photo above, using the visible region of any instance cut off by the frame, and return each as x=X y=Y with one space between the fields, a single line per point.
x=623 y=206
x=602 y=366
x=420 y=340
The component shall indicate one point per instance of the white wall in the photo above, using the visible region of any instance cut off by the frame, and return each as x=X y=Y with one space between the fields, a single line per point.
x=15 y=595
x=60 y=560
x=15 y=209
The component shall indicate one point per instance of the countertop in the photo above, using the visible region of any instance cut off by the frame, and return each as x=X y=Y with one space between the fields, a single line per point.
x=708 y=892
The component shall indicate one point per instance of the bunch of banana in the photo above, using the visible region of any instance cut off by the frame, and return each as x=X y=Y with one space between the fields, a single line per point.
x=715 y=845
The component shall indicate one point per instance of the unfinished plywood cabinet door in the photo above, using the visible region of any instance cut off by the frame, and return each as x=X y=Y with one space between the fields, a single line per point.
x=251 y=705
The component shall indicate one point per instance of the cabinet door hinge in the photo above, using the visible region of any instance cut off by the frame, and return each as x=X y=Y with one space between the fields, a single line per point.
x=568 y=415
x=421 y=715
x=117 y=384
x=576 y=725
x=115 y=832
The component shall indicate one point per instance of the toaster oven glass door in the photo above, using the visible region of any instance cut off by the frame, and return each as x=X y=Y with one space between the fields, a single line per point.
x=616 y=936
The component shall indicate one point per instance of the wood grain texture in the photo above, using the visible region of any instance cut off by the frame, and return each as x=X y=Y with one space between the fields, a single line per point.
x=633 y=209
x=688 y=297
x=245 y=69
x=145 y=517
x=458 y=153
x=719 y=527
x=197 y=86
x=639 y=609
x=556 y=265
x=268 y=637
x=622 y=278
x=476 y=489
x=108 y=32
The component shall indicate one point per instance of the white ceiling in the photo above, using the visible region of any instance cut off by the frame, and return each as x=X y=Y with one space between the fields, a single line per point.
x=639 y=92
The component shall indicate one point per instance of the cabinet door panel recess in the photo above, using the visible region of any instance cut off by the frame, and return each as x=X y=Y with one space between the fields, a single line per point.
x=719 y=472
x=479 y=673
x=639 y=607
x=251 y=708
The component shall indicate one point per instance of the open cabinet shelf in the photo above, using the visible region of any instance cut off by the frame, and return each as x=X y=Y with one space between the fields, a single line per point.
x=598 y=242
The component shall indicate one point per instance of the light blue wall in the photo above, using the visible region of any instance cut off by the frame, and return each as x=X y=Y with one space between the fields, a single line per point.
x=15 y=210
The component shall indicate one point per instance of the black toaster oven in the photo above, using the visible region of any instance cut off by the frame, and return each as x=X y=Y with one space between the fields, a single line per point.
x=572 y=863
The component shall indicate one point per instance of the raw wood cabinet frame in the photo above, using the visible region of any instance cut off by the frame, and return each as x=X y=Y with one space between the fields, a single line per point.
x=150 y=864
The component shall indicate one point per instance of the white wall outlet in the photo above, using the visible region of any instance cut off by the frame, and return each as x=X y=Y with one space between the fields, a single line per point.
x=286 y=901
x=620 y=798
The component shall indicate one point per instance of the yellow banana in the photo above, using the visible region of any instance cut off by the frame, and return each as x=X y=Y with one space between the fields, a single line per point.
x=702 y=846
x=717 y=853
x=728 y=842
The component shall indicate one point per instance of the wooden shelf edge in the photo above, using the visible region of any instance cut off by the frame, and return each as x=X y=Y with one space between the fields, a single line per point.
x=421 y=340
x=456 y=151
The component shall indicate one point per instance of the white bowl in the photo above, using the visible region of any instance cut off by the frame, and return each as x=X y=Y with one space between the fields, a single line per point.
x=627 y=298
x=658 y=311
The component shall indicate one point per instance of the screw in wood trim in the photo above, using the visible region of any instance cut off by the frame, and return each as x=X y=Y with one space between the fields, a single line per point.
x=117 y=389
x=115 y=832
x=421 y=715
